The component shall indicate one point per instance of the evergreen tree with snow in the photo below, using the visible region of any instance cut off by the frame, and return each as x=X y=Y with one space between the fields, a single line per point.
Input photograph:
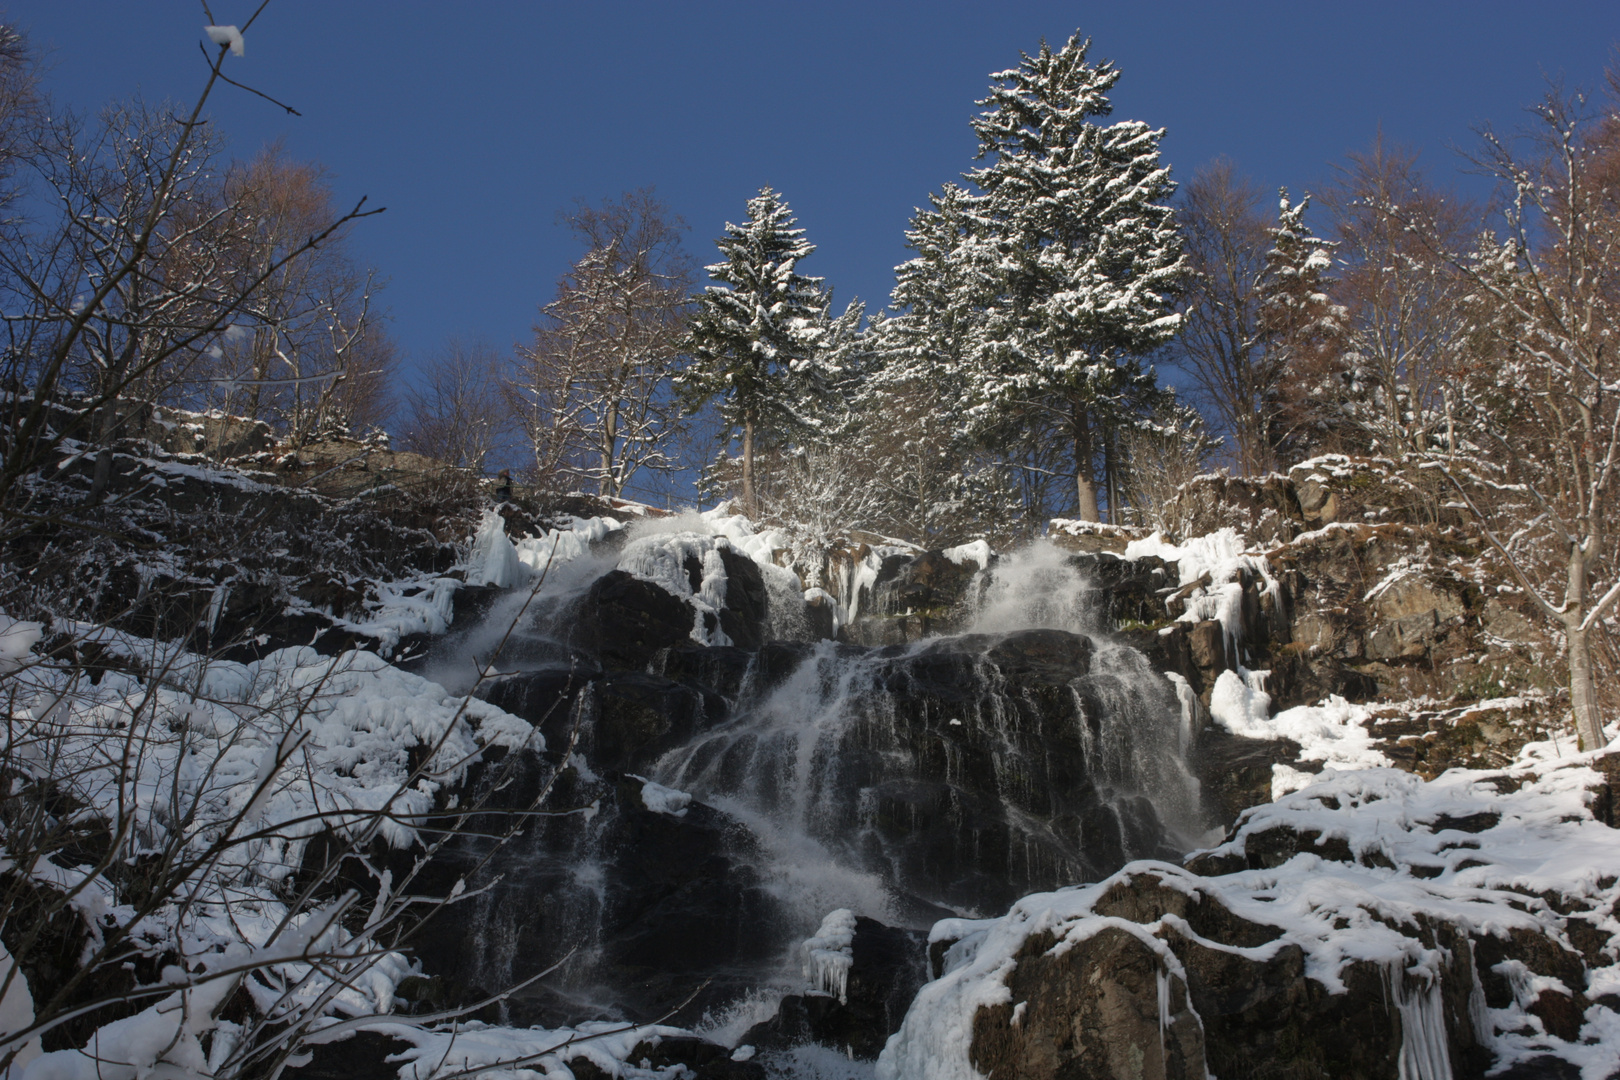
x=1074 y=253
x=916 y=402
x=755 y=338
x=1303 y=331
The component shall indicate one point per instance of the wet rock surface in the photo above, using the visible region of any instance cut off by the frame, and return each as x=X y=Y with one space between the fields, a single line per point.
x=956 y=773
x=888 y=966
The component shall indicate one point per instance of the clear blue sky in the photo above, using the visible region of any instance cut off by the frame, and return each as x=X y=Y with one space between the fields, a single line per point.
x=475 y=123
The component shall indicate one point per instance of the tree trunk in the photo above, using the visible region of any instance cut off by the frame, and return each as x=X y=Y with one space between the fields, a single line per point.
x=610 y=443
x=1583 y=689
x=106 y=429
x=1111 y=478
x=1085 y=485
x=748 y=467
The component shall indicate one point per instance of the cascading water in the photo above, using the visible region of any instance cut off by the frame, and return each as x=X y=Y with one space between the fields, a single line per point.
x=947 y=769
x=945 y=776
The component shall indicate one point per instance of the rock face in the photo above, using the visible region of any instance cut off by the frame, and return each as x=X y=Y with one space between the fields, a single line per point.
x=1107 y=1007
x=1378 y=588
x=946 y=774
x=1183 y=988
x=912 y=596
x=1374 y=927
x=247 y=565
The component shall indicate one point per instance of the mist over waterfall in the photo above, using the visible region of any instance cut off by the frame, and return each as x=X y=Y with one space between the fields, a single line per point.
x=736 y=775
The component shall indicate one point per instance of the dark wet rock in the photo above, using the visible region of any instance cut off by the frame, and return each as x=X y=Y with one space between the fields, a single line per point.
x=1133 y=589
x=361 y=1056
x=723 y=670
x=701 y=1059
x=888 y=967
x=1540 y=1068
x=543 y=698
x=968 y=779
x=625 y=723
x=626 y=621
x=684 y=905
x=639 y=716
x=668 y=902
x=747 y=609
x=912 y=597
x=1234 y=773
x=821 y=618
x=471 y=603
x=1050 y=657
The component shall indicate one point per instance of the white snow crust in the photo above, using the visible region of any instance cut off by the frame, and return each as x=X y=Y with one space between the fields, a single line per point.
x=663 y=800
x=978 y=553
x=17 y=640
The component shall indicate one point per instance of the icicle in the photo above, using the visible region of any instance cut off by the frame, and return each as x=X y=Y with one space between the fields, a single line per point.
x=829 y=955
x=1424 y=1050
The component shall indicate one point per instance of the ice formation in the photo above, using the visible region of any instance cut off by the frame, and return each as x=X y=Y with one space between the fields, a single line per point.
x=829 y=955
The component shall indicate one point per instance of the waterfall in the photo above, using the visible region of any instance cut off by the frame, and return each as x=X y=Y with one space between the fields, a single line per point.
x=946 y=776
x=960 y=771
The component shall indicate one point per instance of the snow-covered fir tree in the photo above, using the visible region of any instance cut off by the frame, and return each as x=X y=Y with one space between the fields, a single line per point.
x=756 y=336
x=915 y=405
x=1076 y=252
x=1303 y=330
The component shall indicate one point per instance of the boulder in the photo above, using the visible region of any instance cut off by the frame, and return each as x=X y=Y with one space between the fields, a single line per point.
x=1106 y=1007
x=626 y=621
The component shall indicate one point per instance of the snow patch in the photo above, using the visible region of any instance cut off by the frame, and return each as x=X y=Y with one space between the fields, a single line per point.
x=1240 y=705
x=493 y=559
x=226 y=35
x=17 y=640
x=977 y=552
x=663 y=800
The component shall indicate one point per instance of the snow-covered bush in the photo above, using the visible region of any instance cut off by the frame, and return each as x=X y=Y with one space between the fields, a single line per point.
x=157 y=911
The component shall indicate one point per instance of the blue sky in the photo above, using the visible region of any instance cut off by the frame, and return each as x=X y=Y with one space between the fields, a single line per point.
x=475 y=123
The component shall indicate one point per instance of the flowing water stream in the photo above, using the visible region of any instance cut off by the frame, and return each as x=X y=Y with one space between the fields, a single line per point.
x=947 y=776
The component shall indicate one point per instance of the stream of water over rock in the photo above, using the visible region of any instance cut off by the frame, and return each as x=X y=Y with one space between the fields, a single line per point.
x=727 y=799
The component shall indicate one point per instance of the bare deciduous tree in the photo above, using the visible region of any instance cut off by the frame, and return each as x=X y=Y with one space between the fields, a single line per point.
x=121 y=278
x=1546 y=301
x=1161 y=456
x=458 y=415
x=307 y=351
x=1223 y=341
x=592 y=392
x=1402 y=298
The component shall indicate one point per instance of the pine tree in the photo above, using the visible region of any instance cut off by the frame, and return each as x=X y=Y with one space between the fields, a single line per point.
x=1075 y=252
x=755 y=337
x=1303 y=330
x=914 y=405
